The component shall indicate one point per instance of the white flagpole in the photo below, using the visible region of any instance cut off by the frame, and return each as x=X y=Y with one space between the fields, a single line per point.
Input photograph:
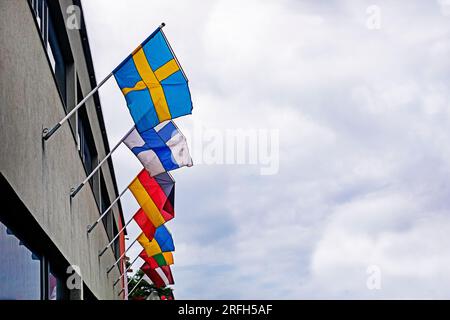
x=48 y=133
x=89 y=227
x=142 y=278
x=111 y=242
x=74 y=191
x=125 y=272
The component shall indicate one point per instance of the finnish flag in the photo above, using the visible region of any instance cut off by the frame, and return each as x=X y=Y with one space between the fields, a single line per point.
x=160 y=149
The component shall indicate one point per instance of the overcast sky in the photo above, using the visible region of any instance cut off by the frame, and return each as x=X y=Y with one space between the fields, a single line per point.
x=363 y=119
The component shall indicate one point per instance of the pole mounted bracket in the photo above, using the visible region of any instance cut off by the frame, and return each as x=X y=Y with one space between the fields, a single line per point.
x=101 y=252
x=46 y=133
x=91 y=227
x=110 y=269
x=74 y=191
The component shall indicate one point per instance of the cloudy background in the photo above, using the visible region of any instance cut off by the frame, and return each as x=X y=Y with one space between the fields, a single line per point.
x=363 y=118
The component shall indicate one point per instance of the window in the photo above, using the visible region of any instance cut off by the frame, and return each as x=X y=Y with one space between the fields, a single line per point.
x=20 y=270
x=40 y=9
x=116 y=242
x=57 y=60
x=87 y=147
x=54 y=43
x=108 y=221
x=26 y=275
x=55 y=285
x=104 y=204
x=88 y=152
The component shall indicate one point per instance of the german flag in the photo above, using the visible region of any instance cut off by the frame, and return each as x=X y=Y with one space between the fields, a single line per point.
x=152 y=197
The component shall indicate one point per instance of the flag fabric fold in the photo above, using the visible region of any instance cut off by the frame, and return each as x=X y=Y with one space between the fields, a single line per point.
x=152 y=197
x=158 y=260
x=160 y=149
x=167 y=184
x=153 y=83
x=161 y=276
x=156 y=91
x=161 y=242
x=144 y=223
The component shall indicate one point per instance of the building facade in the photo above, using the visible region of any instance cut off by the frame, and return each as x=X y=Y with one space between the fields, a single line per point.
x=45 y=69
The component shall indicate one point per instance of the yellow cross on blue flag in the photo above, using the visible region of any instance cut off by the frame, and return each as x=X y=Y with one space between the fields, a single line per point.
x=153 y=83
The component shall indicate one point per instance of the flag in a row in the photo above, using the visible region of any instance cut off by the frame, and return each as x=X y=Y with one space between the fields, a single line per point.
x=156 y=201
x=160 y=149
x=161 y=242
x=153 y=83
x=156 y=90
x=160 y=276
x=158 y=260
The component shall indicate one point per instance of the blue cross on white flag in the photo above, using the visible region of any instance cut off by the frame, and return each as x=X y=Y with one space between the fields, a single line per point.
x=160 y=149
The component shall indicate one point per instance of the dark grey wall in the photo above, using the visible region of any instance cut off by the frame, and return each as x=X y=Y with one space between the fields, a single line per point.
x=43 y=173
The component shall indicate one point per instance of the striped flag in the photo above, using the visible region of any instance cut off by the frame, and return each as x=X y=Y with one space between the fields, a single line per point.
x=153 y=198
x=161 y=276
x=153 y=83
x=161 y=242
x=158 y=260
x=159 y=149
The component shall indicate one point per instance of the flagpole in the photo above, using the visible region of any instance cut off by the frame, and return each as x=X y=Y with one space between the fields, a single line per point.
x=107 y=246
x=48 y=133
x=74 y=191
x=89 y=227
x=173 y=53
x=142 y=278
x=120 y=258
x=128 y=268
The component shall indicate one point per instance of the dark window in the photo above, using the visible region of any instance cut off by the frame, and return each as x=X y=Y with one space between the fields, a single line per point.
x=20 y=270
x=56 y=286
x=108 y=220
x=116 y=242
x=88 y=152
x=56 y=57
x=25 y=275
x=87 y=147
x=31 y=266
x=104 y=204
x=50 y=21
x=40 y=9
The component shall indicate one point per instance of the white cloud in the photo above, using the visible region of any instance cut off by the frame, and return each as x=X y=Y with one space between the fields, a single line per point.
x=363 y=118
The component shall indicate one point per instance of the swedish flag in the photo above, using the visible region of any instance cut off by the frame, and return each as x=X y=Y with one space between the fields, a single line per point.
x=153 y=83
